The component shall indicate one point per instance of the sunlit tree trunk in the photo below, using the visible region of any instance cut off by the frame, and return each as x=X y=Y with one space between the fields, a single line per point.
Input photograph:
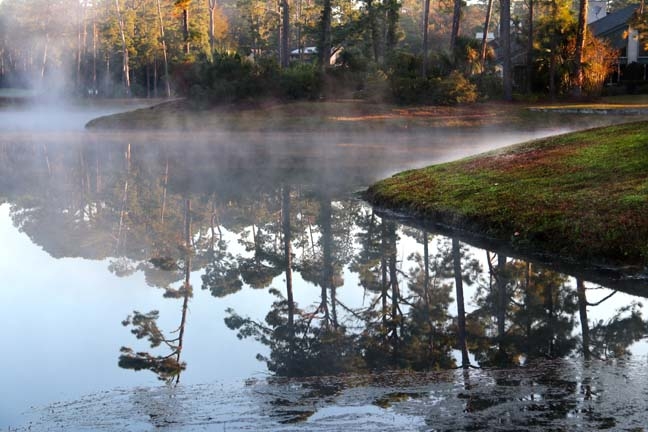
x=581 y=34
x=484 y=41
x=185 y=29
x=125 y=66
x=212 y=8
x=164 y=51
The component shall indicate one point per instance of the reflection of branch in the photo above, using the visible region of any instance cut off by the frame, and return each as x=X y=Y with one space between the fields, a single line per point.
x=601 y=301
x=351 y=311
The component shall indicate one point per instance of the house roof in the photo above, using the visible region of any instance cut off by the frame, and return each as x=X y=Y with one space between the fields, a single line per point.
x=613 y=22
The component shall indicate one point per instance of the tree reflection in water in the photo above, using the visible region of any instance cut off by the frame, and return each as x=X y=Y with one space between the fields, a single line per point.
x=170 y=366
x=428 y=303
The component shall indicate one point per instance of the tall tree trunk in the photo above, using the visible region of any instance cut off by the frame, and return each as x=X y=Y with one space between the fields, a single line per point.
x=125 y=66
x=529 y=60
x=456 y=19
x=324 y=53
x=461 y=311
x=581 y=35
x=212 y=8
x=185 y=30
x=426 y=34
x=164 y=50
x=484 y=42
x=285 y=34
x=505 y=36
x=553 y=58
x=375 y=32
x=393 y=8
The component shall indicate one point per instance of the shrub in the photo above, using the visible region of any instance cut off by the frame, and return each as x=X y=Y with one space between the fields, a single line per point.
x=300 y=81
x=455 y=89
x=489 y=86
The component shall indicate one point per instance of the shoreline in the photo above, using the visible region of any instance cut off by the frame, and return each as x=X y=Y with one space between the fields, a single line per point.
x=580 y=197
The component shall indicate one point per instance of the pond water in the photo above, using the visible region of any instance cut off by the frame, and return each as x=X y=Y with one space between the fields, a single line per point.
x=131 y=263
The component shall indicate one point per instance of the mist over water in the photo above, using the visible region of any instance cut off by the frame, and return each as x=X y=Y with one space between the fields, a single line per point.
x=94 y=227
x=54 y=114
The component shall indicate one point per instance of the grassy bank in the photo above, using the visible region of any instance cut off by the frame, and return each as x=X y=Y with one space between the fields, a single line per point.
x=360 y=116
x=581 y=196
x=307 y=117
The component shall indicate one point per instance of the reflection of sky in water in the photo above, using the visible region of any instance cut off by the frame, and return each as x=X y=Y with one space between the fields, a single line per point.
x=62 y=320
x=63 y=317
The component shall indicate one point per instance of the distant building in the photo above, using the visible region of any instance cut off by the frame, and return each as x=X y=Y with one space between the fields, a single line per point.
x=310 y=54
x=489 y=36
x=615 y=28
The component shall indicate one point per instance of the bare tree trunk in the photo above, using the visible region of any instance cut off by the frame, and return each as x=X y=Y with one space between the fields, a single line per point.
x=581 y=35
x=461 y=311
x=164 y=51
x=529 y=61
x=393 y=7
x=125 y=66
x=185 y=30
x=212 y=7
x=505 y=36
x=426 y=34
x=582 y=308
x=285 y=34
x=484 y=42
x=375 y=34
x=456 y=19
x=324 y=53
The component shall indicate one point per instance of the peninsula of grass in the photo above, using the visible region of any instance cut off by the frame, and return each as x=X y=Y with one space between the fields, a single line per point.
x=581 y=196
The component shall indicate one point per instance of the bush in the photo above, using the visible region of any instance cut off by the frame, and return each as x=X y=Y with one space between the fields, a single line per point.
x=455 y=89
x=489 y=86
x=408 y=87
x=300 y=81
x=227 y=78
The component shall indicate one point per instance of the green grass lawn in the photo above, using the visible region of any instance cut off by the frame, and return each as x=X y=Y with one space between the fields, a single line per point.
x=582 y=196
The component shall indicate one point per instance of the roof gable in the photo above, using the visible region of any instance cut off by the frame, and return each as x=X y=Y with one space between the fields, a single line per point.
x=613 y=22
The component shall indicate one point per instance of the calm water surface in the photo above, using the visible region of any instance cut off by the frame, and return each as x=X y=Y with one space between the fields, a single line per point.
x=145 y=284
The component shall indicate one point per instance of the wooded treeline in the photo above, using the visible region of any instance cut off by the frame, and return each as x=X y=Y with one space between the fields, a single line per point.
x=409 y=51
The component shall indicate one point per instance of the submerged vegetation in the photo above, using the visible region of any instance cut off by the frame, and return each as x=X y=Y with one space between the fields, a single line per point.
x=582 y=196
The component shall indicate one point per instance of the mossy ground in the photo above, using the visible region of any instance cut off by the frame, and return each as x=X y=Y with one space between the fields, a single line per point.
x=582 y=196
